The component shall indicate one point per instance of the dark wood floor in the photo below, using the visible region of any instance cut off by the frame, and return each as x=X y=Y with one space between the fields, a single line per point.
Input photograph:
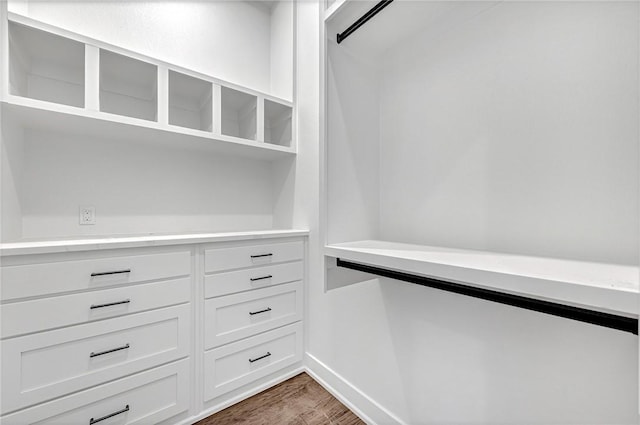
x=297 y=401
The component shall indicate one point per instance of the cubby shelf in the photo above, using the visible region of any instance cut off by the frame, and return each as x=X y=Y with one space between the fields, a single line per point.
x=93 y=88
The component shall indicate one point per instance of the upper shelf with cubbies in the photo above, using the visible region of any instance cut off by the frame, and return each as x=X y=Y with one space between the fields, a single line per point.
x=58 y=77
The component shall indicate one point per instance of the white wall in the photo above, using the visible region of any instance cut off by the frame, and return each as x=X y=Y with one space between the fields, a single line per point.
x=229 y=40
x=11 y=172
x=353 y=154
x=409 y=354
x=281 y=60
x=137 y=188
x=516 y=131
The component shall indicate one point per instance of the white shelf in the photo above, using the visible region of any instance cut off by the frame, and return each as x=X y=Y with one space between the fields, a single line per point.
x=139 y=241
x=64 y=119
x=45 y=66
x=604 y=287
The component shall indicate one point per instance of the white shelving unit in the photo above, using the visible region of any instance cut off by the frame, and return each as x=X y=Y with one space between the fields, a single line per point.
x=45 y=66
x=190 y=104
x=109 y=86
x=128 y=86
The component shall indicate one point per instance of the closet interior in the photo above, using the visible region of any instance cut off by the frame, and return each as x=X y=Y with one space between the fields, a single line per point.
x=489 y=143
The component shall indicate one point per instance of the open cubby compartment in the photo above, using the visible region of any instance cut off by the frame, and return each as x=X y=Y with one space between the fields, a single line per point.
x=239 y=113
x=190 y=102
x=128 y=86
x=277 y=123
x=45 y=66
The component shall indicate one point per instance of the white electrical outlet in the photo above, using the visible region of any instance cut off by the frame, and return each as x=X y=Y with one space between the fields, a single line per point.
x=87 y=215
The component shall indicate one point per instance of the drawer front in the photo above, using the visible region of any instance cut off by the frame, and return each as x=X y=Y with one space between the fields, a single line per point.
x=248 y=279
x=239 y=363
x=219 y=259
x=33 y=280
x=238 y=316
x=145 y=398
x=48 y=313
x=42 y=366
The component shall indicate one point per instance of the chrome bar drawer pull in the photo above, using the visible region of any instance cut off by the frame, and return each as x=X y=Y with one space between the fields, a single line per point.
x=262 y=255
x=261 y=311
x=110 y=415
x=113 y=272
x=260 y=358
x=113 y=350
x=93 y=306
x=253 y=279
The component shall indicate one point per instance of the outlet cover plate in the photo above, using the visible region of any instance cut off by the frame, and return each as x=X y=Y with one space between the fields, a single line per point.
x=87 y=214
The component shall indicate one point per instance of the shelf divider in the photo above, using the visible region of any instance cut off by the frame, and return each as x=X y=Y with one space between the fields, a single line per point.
x=260 y=120
x=91 y=77
x=163 y=94
x=216 y=109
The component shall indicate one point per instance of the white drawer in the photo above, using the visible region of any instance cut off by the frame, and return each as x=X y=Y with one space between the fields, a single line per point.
x=247 y=279
x=151 y=397
x=234 y=365
x=48 y=313
x=51 y=278
x=241 y=315
x=218 y=259
x=42 y=366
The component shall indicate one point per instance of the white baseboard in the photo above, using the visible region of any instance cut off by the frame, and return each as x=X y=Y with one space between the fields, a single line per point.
x=358 y=402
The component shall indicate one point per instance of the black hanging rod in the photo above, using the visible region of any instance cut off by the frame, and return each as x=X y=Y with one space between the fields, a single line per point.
x=613 y=321
x=361 y=21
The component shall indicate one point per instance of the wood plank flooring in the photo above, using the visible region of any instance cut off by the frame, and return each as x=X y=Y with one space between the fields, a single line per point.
x=297 y=401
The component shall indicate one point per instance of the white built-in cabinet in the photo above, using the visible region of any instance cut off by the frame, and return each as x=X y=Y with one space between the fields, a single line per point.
x=147 y=334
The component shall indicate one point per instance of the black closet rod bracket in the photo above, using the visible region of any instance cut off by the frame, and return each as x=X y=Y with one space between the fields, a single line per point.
x=608 y=320
x=362 y=20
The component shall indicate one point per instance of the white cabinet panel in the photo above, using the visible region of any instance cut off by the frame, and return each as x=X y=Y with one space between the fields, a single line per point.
x=42 y=366
x=48 y=313
x=50 y=278
x=218 y=259
x=150 y=397
x=239 y=363
x=254 y=278
x=241 y=315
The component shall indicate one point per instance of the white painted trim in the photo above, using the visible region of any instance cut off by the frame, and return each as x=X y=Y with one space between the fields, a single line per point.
x=369 y=410
x=241 y=397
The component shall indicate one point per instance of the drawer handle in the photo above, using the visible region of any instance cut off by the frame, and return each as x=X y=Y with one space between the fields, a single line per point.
x=110 y=415
x=253 y=279
x=261 y=311
x=127 y=301
x=113 y=350
x=113 y=272
x=260 y=358
x=262 y=255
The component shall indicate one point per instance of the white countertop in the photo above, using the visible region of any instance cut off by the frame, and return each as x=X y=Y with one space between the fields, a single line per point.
x=111 y=242
x=605 y=287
